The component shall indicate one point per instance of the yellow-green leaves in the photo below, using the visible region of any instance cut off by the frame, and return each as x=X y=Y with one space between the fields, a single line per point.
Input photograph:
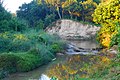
x=107 y=14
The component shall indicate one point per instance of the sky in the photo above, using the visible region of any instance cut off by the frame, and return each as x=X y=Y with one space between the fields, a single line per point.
x=13 y=5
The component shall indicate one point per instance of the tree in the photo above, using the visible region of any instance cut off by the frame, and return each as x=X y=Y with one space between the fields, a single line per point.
x=33 y=13
x=9 y=22
x=107 y=14
x=74 y=9
x=82 y=10
x=51 y=3
x=30 y=12
x=88 y=8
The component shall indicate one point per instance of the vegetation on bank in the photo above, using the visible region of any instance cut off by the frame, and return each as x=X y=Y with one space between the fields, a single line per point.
x=26 y=51
x=25 y=46
x=107 y=14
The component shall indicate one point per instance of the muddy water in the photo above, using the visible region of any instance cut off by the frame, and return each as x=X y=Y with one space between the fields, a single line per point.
x=36 y=73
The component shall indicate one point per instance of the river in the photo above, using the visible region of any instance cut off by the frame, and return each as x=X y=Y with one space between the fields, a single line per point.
x=36 y=73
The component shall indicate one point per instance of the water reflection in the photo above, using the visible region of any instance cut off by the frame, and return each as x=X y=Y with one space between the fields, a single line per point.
x=84 y=44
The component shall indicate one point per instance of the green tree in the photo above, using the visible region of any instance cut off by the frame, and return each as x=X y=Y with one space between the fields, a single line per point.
x=74 y=9
x=9 y=22
x=88 y=9
x=33 y=12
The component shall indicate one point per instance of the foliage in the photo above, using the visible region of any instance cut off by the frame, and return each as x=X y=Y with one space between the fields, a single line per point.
x=107 y=14
x=14 y=42
x=3 y=73
x=97 y=1
x=28 y=62
x=88 y=9
x=8 y=62
x=49 y=19
x=13 y=62
x=53 y=78
x=9 y=22
x=21 y=42
x=47 y=11
x=34 y=14
x=56 y=48
x=115 y=40
x=36 y=48
x=43 y=51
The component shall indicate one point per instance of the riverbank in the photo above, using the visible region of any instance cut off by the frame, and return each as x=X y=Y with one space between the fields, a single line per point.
x=36 y=73
x=76 y=66
x=23 y=52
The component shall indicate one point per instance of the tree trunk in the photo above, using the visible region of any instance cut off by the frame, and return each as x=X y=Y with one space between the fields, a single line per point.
x=83 y=16
x=59 y=13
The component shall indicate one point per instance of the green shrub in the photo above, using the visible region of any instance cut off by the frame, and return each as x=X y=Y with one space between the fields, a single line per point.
x=20 y=62
x=36 y=48
x=28 y=62
x=14 y=42
x=3 y=73
x=56 y=48
x=20 y=46
x=17 y=42
x=8 y=62
x=4 y=44
x=42 y=51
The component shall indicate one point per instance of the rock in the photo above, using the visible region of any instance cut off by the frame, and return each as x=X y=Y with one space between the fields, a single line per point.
x=115 y=47
x=70 y=50
x=112 y=52
x=59 y=54
x=44 y=77
x=68 y=29
x=54 y=59
x=73 y=48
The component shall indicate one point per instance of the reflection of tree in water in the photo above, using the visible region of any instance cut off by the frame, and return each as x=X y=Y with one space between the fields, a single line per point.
x=81 y=65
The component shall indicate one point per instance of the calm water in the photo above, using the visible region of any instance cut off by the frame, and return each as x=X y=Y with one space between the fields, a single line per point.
x=36 y=73
x=84 y=44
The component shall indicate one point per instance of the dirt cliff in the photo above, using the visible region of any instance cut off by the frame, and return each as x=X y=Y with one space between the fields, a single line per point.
x=69 y=29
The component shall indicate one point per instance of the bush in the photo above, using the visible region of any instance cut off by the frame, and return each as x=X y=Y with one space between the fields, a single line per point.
x=28 y=62
x=36 y=48
x=8 y=62
x=4 y=44
x=20 y=46
x=20 y=62
x=21 y=42
x=42 y=51
x=107 y=14
x=3 y=73
x=58 y=46
x=14 y=42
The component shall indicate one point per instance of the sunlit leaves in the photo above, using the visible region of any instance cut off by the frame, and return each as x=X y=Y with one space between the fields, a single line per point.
x=107 y=14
